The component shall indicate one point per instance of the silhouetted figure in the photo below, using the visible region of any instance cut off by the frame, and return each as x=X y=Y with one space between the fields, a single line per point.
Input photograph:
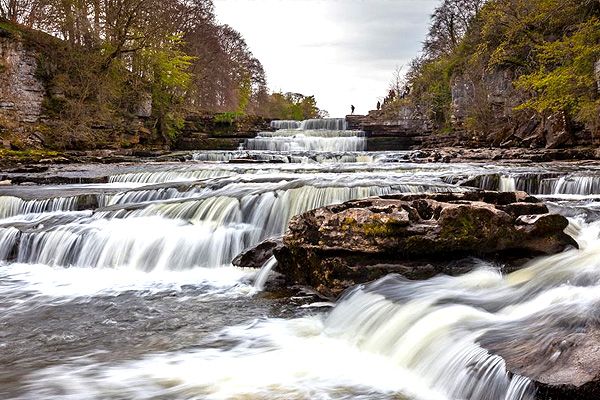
x=378 y=105
x=405 y=92
x=352 y=108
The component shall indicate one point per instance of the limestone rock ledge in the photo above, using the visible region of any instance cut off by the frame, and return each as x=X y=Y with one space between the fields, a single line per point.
x=418 y=236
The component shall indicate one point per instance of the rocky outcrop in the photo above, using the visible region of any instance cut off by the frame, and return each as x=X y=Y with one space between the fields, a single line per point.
x=219 y=131
x=403 y=128
x=559 y=352
x=21 y=92
x=336 y=247
x=258 y=255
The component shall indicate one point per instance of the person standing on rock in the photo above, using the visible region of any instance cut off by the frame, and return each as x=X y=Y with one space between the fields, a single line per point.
x=352 y=108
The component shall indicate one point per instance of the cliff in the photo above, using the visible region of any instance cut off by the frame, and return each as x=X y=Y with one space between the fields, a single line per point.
x=503 y=74
x=55 y=95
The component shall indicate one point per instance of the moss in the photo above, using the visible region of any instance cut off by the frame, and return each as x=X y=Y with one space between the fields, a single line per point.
x=27 y=155
x=8 y=29
x=227 y=117
x=375 y=228
x=381 y=229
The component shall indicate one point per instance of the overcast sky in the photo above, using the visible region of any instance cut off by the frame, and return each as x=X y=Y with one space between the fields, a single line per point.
x=342 y=51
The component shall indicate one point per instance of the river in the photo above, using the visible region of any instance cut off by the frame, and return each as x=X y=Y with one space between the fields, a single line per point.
x=125 y=289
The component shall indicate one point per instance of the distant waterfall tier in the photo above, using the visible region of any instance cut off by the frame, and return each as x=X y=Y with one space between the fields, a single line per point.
x=285 y=124
x=326 y=124
x=322 y=133
x=309 y=140
x=539 y=183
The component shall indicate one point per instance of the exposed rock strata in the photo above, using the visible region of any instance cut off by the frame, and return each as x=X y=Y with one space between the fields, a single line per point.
x=335 y=247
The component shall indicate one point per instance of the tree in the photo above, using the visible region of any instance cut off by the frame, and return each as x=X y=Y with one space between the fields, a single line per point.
x=449 y=24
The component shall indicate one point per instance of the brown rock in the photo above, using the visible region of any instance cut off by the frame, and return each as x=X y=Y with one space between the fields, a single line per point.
x=258 y=255
x=330 y=247
x=559 y=352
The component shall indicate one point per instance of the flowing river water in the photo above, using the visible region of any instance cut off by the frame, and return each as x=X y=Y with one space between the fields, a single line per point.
x=125 y=290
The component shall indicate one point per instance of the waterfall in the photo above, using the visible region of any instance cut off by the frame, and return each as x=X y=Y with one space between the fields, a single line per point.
x=313 y=135
x=8 y=241
x=330 y=124
x=285 y=124
x=552 y=183
x=263 y=274
x=175 y=175
x=11 y=206
x=301 y=142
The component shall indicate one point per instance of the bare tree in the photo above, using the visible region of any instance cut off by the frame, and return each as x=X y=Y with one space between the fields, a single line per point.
x=450 y=22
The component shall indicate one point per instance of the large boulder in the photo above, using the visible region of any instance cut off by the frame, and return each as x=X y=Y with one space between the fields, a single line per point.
x=418 y=236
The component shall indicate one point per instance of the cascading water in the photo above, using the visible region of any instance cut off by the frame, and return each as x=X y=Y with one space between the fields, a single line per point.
x=125 y=289
x=319 y=135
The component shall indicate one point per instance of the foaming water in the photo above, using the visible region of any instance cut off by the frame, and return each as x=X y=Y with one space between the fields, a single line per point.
x=125 y=290
x=58 y=285
x=11 y=206
x=390 y=339
x=314 y=135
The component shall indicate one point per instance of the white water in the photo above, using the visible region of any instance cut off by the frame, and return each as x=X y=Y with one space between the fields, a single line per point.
x=166 y=239
x=318 y=135
x=393 y=337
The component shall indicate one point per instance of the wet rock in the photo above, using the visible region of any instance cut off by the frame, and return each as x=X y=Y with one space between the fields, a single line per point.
x=559 y=353
x=258 y=255
x=330 y=248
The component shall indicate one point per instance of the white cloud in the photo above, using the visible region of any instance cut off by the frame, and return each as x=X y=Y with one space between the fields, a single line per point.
x=342 y=51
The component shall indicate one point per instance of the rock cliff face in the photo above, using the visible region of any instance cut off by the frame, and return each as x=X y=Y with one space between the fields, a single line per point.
x=214 y=132
x=495 y=90
x=403 y=129
x=418 y=236
x=21 y=92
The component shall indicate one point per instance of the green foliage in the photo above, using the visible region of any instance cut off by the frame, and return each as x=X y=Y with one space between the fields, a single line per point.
x=564 y=79
x=431 y=88
x=227 y=117
x=293 y=106
x=168 y=69
x=245 y=95
x=548 y=47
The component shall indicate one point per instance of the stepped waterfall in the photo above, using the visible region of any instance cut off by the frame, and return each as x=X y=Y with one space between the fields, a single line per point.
x=318 y=135
x=126 y=289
